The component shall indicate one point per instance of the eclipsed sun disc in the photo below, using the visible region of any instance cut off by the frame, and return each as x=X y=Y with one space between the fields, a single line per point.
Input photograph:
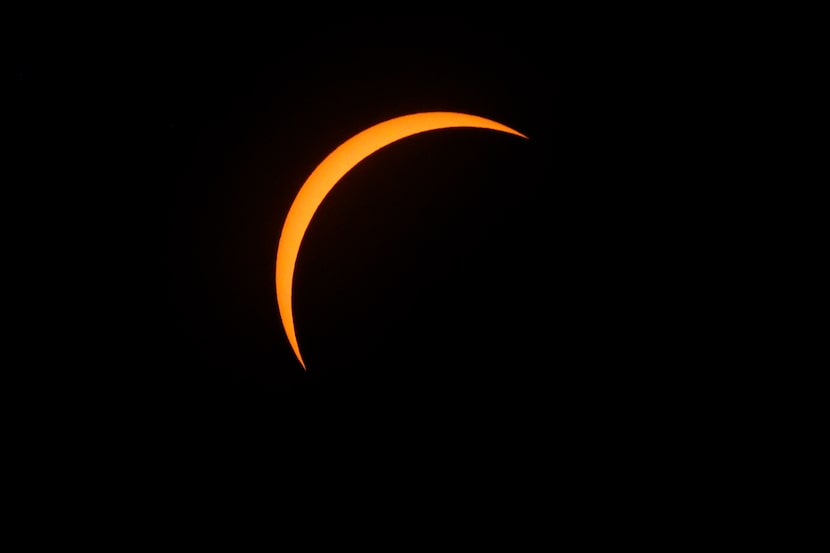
x=323 y=179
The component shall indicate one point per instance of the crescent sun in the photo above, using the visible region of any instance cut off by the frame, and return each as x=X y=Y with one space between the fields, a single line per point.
x=331 y=170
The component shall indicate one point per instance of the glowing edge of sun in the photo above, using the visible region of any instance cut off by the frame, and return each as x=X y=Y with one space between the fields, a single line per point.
x=330 y=171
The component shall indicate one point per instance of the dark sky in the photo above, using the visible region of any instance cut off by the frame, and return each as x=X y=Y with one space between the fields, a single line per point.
x=496 y=329
x=457 y=266
x=512 y=317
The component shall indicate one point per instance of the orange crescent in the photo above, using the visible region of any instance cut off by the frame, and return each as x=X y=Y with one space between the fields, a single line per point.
x=331 y=170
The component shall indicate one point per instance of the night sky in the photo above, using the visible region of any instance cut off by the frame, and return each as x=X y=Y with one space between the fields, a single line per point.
x=459 y=266
x=494 y=328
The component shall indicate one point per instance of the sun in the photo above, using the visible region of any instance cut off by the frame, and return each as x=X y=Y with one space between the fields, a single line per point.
x=329 y=172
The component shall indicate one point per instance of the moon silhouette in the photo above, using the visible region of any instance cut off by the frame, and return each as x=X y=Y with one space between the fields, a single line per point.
x=331 y=170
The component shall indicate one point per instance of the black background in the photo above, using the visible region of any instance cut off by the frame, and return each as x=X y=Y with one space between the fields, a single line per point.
x=519 y=318
x=459 y=267
x=504 y=336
